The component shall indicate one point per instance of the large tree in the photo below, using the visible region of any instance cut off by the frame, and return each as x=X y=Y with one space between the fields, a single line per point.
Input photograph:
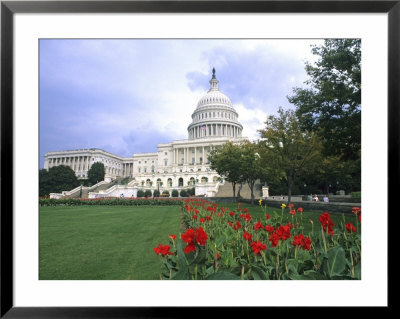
x=227 y=162
x=286 y=150
x=96 y=173
x=330 y=104
x=57 y=179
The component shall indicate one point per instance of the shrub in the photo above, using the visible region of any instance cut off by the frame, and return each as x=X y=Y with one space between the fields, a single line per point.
x=156 y=193
x=183 y=193
x=191 y=191
x=147 y=193
x=140 y=193
x=175 y=193
x=355 y=194
x=165 y=194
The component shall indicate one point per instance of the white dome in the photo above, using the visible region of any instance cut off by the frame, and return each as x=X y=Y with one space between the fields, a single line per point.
x=213 y=97
x=214 y=116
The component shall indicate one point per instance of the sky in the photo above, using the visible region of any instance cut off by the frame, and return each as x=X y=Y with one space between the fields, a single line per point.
x=126 y=96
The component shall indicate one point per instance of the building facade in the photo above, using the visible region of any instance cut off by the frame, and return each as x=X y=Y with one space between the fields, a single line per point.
x=180 y=163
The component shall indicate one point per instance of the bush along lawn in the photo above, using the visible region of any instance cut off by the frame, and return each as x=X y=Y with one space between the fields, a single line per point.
x=227 y=244
x=110 y=201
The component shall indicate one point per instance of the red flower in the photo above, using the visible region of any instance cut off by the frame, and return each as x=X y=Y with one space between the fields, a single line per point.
x=172 y=237
x=237 y=225
x=258 y=246
x=350 y=228
x=274 y=239
x=202 y=220
x=188 y=236
x=245 y=210
x=292 y=212
x=326 y=223
x=208 y=217
x=194 y=216
x=232 y=213
x=356 y=210
x=190 y=247
x=258 y=225
x=201 y=236
x=191 y=237
x=299 y=210
x=307 y=243
x=230 y=224
x=269 y=228
x=163 y=250
x=267 y=216
x=359 y=217
x=291 y=205
x=247 y=236
x=284 y=232
x=301 y=241
x=298 y=240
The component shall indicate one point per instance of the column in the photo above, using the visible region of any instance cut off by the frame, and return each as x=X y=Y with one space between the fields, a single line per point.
x=204 y=158
x=195 y=155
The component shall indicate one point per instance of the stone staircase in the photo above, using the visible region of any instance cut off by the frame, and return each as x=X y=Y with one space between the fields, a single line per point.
x=225 y=190
x=86 y=190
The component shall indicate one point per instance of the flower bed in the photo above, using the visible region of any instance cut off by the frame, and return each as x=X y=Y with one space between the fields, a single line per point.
x=223 y=244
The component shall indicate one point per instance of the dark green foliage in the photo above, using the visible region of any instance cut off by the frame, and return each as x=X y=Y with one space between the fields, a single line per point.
x=331 y=105
x=109 y=202
x=175 y=193
x=147 y=193
x=183 y=193
x=156 y=193
x=57 y=179
x=96 y=173
x=191 y=191
x=140 y=193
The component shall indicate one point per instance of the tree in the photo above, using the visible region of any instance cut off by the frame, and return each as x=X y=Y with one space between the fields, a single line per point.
x=286 y=150
x=57 y=179
x=331 y=105
x=227 y=162
x=251 y=168
x=96 y=173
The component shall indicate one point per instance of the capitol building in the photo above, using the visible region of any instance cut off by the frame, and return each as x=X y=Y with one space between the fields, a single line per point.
x=175 y=165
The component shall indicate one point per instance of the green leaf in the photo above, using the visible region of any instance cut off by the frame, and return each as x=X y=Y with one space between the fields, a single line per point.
x=357 y=271
x=336 y=261
x=258 y=273
x=181 y=257
x=222 y=275
x=181 y=275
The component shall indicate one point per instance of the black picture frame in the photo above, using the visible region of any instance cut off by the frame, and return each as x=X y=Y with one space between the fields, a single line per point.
x=9 y=8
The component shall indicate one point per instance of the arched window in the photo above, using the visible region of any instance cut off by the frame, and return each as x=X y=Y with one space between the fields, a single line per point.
x=180 y=182
x=169 y=182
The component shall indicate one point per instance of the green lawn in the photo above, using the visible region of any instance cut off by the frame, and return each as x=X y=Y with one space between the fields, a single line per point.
x=103 y=242
x=116 y=242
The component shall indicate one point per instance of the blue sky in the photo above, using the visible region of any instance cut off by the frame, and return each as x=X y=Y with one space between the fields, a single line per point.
x=126 y=96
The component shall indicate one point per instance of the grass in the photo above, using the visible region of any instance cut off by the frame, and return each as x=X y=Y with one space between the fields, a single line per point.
x=97 y=242
x=116 y=242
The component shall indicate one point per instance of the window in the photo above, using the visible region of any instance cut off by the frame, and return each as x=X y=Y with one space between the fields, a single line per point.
x=145 y=170
x=165 y=162
x=165 y=153
x=193 y=160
